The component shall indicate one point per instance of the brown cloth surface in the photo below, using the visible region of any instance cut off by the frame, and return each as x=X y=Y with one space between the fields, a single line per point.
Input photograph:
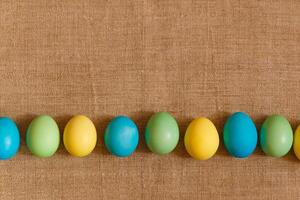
x=192 y=58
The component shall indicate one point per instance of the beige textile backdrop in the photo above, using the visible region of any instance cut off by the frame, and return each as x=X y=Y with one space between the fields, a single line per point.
x=193 y=58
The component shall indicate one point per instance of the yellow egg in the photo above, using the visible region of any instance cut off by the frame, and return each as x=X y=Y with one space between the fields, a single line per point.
x=80 y=136
x=297 y=142
x=201 y=139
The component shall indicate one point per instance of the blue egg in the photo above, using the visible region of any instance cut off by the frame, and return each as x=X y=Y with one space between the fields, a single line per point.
x=121 y=137
x=240 y=135
x=9 y=138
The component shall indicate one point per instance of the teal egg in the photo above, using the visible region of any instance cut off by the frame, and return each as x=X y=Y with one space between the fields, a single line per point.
x=9 y=138
x=121 y=136
x=240 y=135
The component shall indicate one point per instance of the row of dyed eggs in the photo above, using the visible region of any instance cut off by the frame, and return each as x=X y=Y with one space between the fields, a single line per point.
x=241 y=137
x=162 y=135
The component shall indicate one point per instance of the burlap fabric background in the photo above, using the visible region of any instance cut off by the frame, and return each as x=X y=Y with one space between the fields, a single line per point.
x=192 y=58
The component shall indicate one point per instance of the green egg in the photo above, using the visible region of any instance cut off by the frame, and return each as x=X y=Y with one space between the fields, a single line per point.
x=162 y=133
x=276 y=136
x=42 y=137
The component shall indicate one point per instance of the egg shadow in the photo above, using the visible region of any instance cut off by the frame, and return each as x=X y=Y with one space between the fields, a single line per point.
x=219 y=120
x=23 y=122
x=291 y=156
x=258 y=121
x=180 y=150
x=141 y=118
x=62 y=122
x=101 y=122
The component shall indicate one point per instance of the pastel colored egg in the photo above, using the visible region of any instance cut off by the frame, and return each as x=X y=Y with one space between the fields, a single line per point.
x=162 y=133
x=80 y=136
x=9 y=138
x=276 y=136
x=121 y=136
x=240 y=135
x=201 y=139
x=297 y=142
x=42 y=137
